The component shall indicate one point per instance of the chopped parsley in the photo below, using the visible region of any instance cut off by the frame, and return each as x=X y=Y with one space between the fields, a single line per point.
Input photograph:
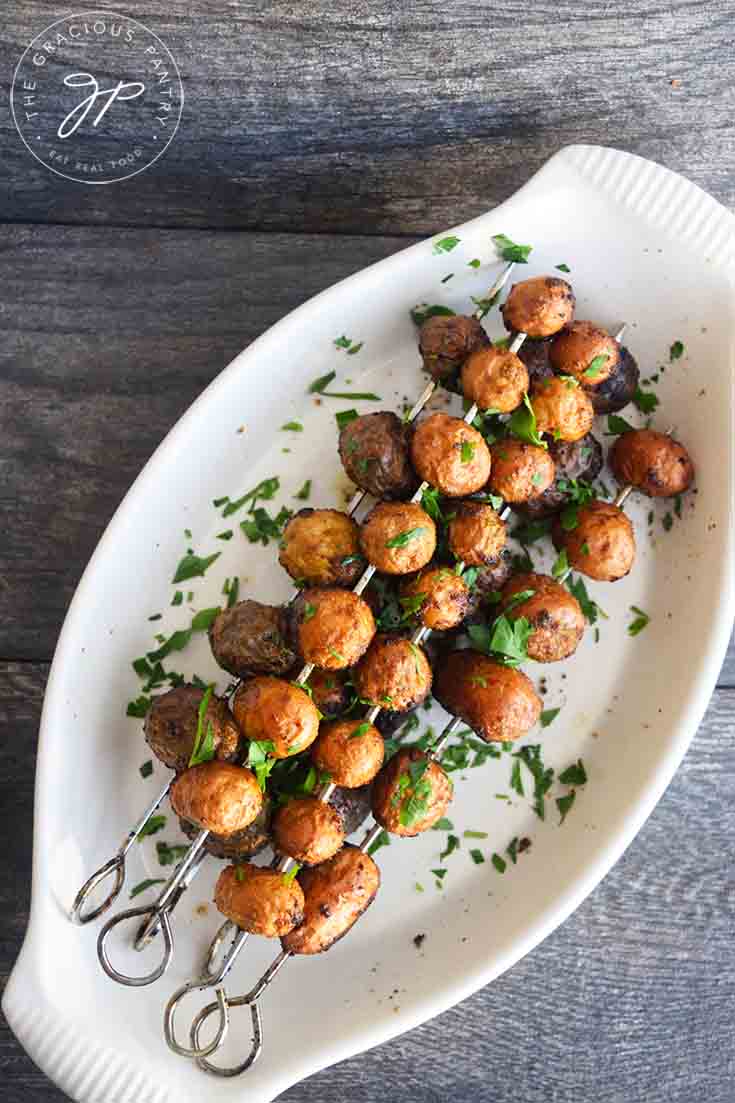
x=309 y=612
x=146 y=769
x=595 y=366
x=564 y=805
x=506 y=641
x=574 y=774
x=263 y=528
x=344 y=417
x=232 y=592
x=404 y=538
x=139 y=707
x=422 y=311
x=178 y=598
x=143 y=885
x=562 y=268
x=477 y=856
x=532 y=531
x=548 y=716
x=168 y=855
x=151 y=826
x=510 y=251
x=445 y=245
x=475 y=263
x=416 y=792
x=383 y=839
x=259 y=761
x=667 y=521
x=500 y=863
x=453 y=844
x=466 y=451
x=303 y=494
x=289 y=875
x=293 y=427
x=676 y=350
x=589 y=607
x=617 y=425
x=522 y=424
x=443 y=825
x=561 y=567
x=430 y=503
x=360 y=730
x=193 y=566
x=646 y=401
x=203 y=749
x=640 y=622
x=543 y=776
x=265 y=491
x=516 y=780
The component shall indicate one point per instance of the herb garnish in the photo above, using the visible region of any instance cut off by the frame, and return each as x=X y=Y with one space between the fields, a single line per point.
x=422 y=311
x=564 y=805
x=265 y=491
x=646 y=401
x=303 y=494
x=561 y=567
x=383 y=839
x=500 y=863
x=430 y=503
x=263 y=527
x=415 y=799
x=168 y=855
x=477 y=856
x=445 y=245
x=595 y=366
x=146 y=769
x=617 y=425
x=203 y=749
x=151 y=826
x=548 y=716
x=289 y=875
x=319 y=386
x=574 y=774
x=293 y=427
x=510 y=251
x=344 y=417
x=467 y=451
x=139 y=707
x=542 y=776
x=516 y=780
x=258 y=760
x=404 y=538
x=193 y=566
x=676 y=350
x=562 y=268
x=506 y=641
x=522 y=424
x=640 y=622
x=453 y=844
x=143 y=885
x=589 y=607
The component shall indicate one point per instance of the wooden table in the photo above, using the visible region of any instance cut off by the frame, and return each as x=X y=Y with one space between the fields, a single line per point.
x=316 y=139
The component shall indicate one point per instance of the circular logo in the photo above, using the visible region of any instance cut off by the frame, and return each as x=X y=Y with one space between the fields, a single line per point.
x=97 y=97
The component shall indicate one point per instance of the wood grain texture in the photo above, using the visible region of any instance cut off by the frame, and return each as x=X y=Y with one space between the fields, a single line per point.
x=390 y=118
x=630 y=1001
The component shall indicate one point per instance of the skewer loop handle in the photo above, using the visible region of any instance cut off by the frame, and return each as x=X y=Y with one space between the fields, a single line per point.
x=220 y=1004
x=116 y=866
x=157 y=915
x=255 y=1049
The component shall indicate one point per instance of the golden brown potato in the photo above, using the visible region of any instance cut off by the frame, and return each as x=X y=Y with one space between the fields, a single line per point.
x=336 y=893
x=539 y=306
x=652 y=462
x=437 y=597
x=217 y=796
x=520 y=471
x=329 y=691
x=308 y=830
x=562 y=408
x=171 y=726
x=450 y=455
x=332 y=628
x=271 y=710
x=496 y=701
x=350 y=751
x=393 y=672
x=476 y=534
x=398 y=537
x=553 y=613
x=585 y=351
x=410 y=793
x=445 y=342
x=495 y=379
x=322 y=548
x=259 y=900
x=602 y=543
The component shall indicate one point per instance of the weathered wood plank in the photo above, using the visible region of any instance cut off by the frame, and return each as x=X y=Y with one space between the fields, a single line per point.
x=390 y=118
x=629 y=1002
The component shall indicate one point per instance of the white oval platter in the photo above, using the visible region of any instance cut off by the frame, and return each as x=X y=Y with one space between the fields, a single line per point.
x=644 y=246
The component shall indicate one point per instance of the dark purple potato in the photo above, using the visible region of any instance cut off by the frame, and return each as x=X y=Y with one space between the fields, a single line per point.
x=374 y=450
x=618 y=389
x=445 y=342
x=489 y=580
x=243 y=844
x=579 y=459
x=535 y=355
x=353 y=806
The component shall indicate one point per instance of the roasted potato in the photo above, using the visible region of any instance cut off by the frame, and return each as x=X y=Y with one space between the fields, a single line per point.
x=171 y=726
x=410 y=793
x=322 y=548
x=496 y=701
x=353 y=806
x=488 y=581
x=437 y=597
x=259 y=900
x=398 y=537
x=445 y=342
x=562 y=408
x=555 y=615
x=601 y=544
x=495 y=379
x=250 y=638
x=535 y=355
x=476 y=534
x=274 y=711
x=329 y=691
x=217 y=796
x=350 y=751
x=585 y=351
x=336 y=893
x=331 y=628
x=308 y=830
x=375 y=453
x=539 y=306
x=520 y=471
x=574 y=460
x=450 y=455
x=652 y=462
x=393 y=672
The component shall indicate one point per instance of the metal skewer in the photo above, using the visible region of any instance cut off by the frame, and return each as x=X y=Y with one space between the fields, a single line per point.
x=252 y=997
x=156 y=917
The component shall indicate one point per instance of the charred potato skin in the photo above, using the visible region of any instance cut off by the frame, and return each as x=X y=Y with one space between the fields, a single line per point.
x=259 y=900
x=520 y=471
x=386 y=522
x=618 y=389
x=496 y=701
x=320 y=546
x=445 y=342
x=534 y=353
x=171 y=725
x=602 y=544
x=241 y=844
x=446 y=598
x=250 y=638
x=375 y=453
x=307 y=830
x=575 y=348
x=574 y=460
x=562 y=408
x=272 y=710
x=217 y=797
x=495 y=378
x=437 y=449
x=553 y=613
x=540 y=306
x=353 y=806
x=394 y=672
x=350 y=760
x=331 y=628
x=652 y=462
x=389 y=796
x=329 y=691
x=490 y=579
x=476 y=534
x=336 y=893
